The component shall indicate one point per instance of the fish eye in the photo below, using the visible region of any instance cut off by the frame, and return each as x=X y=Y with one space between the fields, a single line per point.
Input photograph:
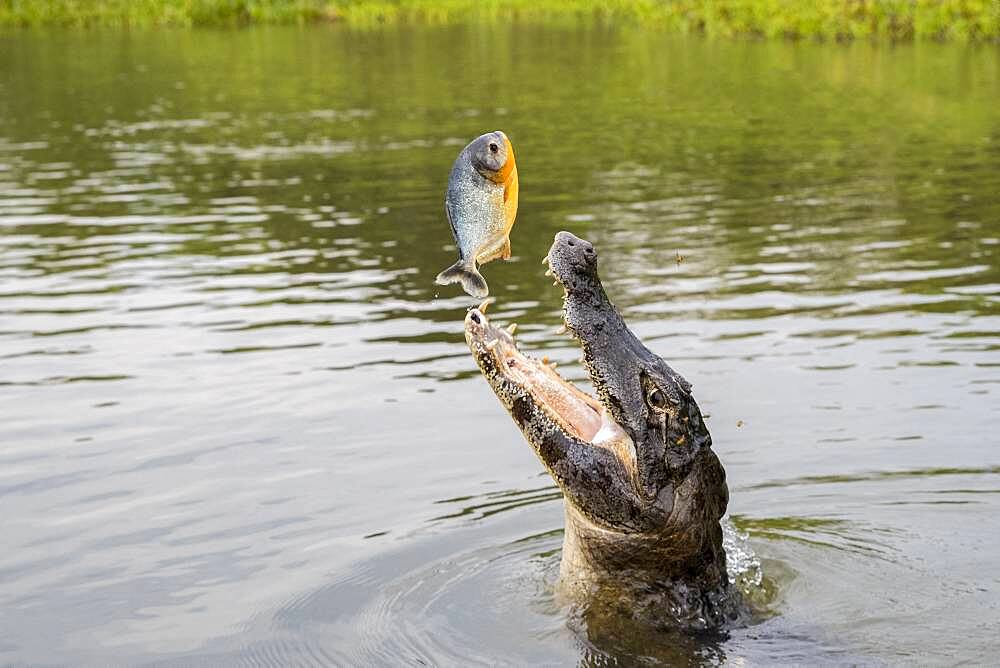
x=494 y=148
x=657 y=399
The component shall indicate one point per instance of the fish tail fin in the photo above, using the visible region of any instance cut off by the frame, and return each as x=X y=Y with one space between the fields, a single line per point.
x=466 y=274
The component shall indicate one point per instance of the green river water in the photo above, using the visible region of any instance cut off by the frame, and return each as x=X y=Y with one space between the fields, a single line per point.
x=240 y=424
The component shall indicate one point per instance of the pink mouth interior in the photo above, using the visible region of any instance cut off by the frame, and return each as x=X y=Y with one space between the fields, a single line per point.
x=578 y=413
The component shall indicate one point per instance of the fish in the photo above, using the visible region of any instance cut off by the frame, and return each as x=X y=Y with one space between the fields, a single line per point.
x=481 y=204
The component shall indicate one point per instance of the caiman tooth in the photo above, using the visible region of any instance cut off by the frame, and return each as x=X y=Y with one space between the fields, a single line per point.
x=553 y=365
x=555 y=282
x=545 y=259
x=561 y=329
x=511 y=328
x=490 y=345
x=485 y=304
x=548 y=272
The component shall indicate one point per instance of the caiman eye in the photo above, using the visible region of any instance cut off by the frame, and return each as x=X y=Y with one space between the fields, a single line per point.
x=494 y=148
x=657 y=399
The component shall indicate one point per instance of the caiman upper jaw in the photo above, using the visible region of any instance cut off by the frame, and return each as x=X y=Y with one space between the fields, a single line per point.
x=612 y=355
x=573 y=263
x=650 y=401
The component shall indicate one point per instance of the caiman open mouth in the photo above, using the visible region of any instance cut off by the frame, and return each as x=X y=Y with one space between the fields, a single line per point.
x=579 y=415
x=633 y=456
x=621 y=451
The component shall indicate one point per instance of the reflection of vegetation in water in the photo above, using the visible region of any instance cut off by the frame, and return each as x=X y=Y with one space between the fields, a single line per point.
x=482 y=506
x=748 y=157
x=871 y=476
x=764 y=583
x=955 y=19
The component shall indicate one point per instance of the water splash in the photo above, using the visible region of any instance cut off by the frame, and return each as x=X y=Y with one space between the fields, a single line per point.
x=742 y=563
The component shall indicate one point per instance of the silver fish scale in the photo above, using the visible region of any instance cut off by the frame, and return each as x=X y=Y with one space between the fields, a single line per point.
x=474 y=206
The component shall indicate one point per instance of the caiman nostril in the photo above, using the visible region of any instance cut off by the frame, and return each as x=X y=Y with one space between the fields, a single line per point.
x=475 y=317
x=570 y=243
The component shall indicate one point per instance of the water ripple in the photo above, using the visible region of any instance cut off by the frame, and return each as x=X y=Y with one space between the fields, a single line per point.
x=226 y=373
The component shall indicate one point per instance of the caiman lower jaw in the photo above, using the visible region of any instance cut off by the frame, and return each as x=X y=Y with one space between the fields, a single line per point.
x=578 y=414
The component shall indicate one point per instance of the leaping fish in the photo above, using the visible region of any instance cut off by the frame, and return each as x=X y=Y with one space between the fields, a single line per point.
x=481 y=204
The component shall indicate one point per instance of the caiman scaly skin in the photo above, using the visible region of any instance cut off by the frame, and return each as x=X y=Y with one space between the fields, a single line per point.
x=645 y=496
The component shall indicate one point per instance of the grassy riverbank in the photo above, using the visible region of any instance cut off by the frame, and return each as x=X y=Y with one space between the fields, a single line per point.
x=826 y=19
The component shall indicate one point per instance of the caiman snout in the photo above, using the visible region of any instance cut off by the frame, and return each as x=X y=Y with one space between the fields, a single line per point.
x=573 y=261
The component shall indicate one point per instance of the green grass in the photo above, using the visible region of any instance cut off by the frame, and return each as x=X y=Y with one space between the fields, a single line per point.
x=821 y=19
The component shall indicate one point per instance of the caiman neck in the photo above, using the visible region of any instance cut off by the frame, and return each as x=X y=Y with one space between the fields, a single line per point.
x=678 y=572
x=593 y=556
x=640 y=577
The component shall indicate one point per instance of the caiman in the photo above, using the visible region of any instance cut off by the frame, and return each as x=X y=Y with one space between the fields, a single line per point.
x=644 y=491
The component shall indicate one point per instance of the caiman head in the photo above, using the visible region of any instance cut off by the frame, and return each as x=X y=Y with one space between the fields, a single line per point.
x=643 y=489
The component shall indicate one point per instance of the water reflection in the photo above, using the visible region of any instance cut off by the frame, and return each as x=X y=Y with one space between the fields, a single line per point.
x=226 y=374
x=498 y=502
